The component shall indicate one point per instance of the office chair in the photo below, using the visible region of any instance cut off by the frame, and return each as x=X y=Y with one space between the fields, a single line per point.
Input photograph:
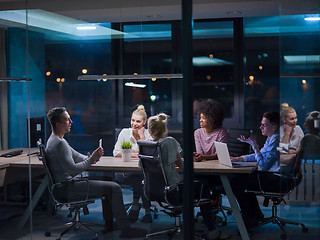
x=128 y=206
x=235 y=147
x=291 y=181
x=73 y=206
x=156 y=187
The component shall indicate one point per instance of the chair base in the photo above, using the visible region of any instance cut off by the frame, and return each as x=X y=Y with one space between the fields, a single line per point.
x=76 y=224
x=176 y=230
x=281 y=222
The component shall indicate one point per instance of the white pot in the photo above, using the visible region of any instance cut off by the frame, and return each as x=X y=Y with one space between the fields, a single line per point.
x=126 y=155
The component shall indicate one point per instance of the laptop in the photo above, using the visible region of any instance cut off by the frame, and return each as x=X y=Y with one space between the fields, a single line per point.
x=224 y=156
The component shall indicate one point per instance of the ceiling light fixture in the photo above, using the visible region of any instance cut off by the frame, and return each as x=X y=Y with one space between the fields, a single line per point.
x=234 y=12
x=131 y=84
x=140 y=76
x=86 y=27
x=312 y=18
x=6 y=79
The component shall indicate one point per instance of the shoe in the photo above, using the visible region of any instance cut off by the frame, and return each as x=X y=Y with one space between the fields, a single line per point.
x=130 y=232
x=146 y=218
x=133 y=214
x=218 y=219
x=214 y=235
x=250 y=223
x=109 y=226
x=224 y=236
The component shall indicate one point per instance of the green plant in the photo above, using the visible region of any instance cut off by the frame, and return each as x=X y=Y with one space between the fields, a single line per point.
x=126 y=145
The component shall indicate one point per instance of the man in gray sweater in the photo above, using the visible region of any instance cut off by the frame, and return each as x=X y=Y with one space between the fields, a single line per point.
x=66 y=165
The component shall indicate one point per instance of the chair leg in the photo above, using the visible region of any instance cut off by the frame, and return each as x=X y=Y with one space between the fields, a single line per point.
x=172 y=231
x=77 y=224
x=281 y=222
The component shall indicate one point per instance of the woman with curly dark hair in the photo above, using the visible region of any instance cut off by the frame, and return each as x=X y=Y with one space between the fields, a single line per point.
x=211 y=119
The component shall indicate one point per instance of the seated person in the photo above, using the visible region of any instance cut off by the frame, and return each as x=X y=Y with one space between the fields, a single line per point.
x=290 y=133
x=310 y=142
x=309 y=145
x=131 y=179
x=170 y=149
x=268 y=161
x=211 y=119
x=66 y=165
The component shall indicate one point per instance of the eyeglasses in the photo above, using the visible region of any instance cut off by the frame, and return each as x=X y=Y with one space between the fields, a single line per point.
x=264 y=125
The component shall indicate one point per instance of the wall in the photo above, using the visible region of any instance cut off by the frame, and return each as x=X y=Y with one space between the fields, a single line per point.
x=18 y=91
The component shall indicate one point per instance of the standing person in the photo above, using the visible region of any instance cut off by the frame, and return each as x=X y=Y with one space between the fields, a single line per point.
x=134 y=180
x=290 y=133
x=268 y=161
x=66 y=165
x=211 y=119
x=170 y=152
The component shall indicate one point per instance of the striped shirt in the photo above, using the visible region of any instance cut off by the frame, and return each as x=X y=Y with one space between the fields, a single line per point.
x=205 y=141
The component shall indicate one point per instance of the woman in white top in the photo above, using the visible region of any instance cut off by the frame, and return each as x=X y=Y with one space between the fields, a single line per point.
x=133 y=134
x=132 y=179
x=290 y=133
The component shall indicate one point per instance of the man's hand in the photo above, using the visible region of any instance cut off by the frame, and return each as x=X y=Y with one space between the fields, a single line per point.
x=237 y=159
x=249 y=140
x=96 y=155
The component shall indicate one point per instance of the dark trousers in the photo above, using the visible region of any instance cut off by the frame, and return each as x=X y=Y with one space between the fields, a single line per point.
x=175 y=197
x=134 y=181
x=248 y=202
x=109 y=192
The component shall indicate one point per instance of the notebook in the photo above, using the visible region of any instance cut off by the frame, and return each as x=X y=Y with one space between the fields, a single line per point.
x=224 y=156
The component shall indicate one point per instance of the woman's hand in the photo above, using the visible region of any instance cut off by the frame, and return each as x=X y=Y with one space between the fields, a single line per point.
x=96 y=155
x=197 y=157
x=287 y=129
x=134 y=154
x=141 y=133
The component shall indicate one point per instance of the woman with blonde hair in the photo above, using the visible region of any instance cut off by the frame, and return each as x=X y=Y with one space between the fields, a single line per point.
x=131 y=179
x=133 y=134
x=290 y=133
x=170 y=152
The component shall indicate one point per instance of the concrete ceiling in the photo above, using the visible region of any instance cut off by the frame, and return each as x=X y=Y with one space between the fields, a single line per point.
x=99 y=11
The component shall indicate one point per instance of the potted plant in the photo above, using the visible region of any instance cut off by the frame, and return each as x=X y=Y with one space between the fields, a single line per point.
x=126 y=151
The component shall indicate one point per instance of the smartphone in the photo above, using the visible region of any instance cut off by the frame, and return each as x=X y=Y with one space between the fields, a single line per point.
x=100 y=143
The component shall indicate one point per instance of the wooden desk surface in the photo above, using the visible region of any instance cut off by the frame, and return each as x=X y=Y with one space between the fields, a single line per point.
x=107 y=163
x=5 y=161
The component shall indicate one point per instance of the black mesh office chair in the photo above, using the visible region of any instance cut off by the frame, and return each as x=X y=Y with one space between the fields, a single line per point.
x=290 y=181
x=156 y=187
x=74 y=207
x=235 y=147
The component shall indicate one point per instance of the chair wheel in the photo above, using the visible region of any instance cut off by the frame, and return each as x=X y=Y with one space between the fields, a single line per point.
x=155 y=216
x=305 y=230
x=283 y=236
x=48 y=234
x=224 y=223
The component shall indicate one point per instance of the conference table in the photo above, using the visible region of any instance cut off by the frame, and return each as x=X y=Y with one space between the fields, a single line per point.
x=111 y=164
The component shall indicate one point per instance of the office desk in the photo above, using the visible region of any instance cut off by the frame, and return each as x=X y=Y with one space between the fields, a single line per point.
x=8 y=174
x=116 y=164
